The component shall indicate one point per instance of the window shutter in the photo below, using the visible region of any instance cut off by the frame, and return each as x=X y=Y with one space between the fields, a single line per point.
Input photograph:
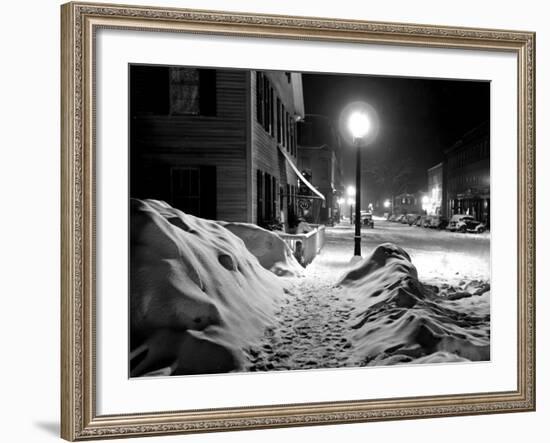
x=146 y=100
x=207 y=92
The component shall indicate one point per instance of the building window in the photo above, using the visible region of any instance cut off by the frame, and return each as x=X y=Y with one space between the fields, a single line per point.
x=266 y=103
x=283 y=127
x=176 y=91
x=274 y=187
x=259 y=98
x=186 y=189
x=259 y=196
x=268 y=198
x=192 y=91
x=184 y=91
x=287 y=134
x=193 y=190
x=271 y=113
x=279 y=120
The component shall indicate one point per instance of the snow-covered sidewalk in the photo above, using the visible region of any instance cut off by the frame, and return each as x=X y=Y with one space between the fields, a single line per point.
x=311 y=327
x=316 y=327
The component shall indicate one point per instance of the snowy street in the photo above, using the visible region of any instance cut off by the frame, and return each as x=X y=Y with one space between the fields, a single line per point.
x=315 y=326
x=439 y=256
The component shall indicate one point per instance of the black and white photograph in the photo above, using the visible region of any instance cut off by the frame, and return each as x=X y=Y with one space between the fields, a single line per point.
x=284 y=221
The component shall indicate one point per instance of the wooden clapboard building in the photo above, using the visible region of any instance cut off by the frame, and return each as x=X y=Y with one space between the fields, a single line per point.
x=216 y=143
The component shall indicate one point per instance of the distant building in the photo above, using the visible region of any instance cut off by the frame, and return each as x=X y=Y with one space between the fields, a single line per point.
x=407 y=203
x=467 y=175
x=319 y=160
x=435 y=191
x=216 y=143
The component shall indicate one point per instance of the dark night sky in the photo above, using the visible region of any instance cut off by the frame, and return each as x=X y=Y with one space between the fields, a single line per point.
x=418 y=118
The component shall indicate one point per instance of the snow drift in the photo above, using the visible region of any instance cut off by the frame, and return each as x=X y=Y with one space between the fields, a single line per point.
x=198 y=298
x=271 y=250
x=399 y=320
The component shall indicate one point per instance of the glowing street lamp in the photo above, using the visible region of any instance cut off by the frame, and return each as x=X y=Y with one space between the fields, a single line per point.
x=358 y=125
x=387 y=203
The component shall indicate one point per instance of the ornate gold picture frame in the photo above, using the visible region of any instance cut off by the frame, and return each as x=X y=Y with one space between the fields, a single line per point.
x=79 y=417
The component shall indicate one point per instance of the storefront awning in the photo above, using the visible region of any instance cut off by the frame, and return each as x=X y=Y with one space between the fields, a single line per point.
x=473 y=193
x=299 y=174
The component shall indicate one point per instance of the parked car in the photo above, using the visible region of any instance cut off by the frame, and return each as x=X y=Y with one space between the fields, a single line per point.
x=366 y=219
x=412 y=218
x=465 y=223
x=438 y=222
x=400 y=218
x=420 y=221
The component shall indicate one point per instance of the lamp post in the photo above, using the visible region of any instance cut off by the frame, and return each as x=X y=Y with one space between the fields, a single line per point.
x=358 y=126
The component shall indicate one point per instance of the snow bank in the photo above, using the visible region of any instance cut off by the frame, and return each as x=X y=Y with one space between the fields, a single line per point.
x=400 y=320
x=271 y=250
x=198 y=298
